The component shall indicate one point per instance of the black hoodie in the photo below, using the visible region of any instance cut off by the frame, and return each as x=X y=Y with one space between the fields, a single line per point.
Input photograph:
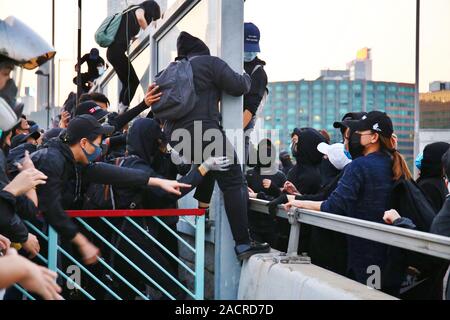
x=431 y=179
x=305 y=175
x=212 y=76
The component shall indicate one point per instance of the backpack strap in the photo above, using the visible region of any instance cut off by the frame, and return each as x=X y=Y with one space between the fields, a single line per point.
x=130 y=9
x=118 y=162
x=256 y=68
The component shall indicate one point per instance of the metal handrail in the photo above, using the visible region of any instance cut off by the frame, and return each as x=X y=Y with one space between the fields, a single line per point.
x=422 y=242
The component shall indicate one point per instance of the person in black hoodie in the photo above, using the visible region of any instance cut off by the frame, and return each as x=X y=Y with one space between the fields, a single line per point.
x=264 y=183
x=132 y=21
x=431 y=179
x=144 y=142
x=212 y=77
x=59 y=161
x=305 y=175
x=285 y=162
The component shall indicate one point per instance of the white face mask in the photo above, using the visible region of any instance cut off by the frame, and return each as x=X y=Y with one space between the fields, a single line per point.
x=8 y=118
x=101 y=70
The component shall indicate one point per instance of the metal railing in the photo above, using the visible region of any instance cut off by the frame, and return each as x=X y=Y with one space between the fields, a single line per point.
x=421 y=242
x=56 y=252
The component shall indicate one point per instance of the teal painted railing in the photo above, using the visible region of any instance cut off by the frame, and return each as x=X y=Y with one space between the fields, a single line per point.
x=56 y=253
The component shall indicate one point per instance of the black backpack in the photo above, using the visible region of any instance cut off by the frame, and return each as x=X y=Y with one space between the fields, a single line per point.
x=410 y=202
x=179 y=96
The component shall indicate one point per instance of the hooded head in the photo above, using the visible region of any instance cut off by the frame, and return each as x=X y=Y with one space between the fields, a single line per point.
x=285 y=158
x=266 y=154
x=189 y=46
x=431 y=164
x=305 y=150
x=144 y=139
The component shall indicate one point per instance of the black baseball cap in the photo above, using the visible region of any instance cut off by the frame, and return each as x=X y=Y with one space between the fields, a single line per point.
x=349 y=116
x=22 y=138
x=375 y=120
x=91 y=108
x=86 y=126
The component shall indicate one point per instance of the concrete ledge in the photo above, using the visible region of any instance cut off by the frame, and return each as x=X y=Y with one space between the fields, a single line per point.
x=264 y=279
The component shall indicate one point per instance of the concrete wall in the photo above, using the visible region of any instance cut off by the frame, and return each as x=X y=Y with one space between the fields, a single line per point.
x=264 y=279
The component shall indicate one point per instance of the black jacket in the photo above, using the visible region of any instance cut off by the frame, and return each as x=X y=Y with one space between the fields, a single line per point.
x=305 y=175
x=143 y=144
x=431 y=177
x=57 y=162
x=435 y=190
x=261 y=222
x=441 y=223
x=212 y=76
x=253 y=98
x=11 y=225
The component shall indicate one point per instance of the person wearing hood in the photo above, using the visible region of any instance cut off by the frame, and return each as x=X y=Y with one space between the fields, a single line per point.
x=96 y=66
x=20 y=144
x=132 y=21
x=305 y=175
x=364 y=190
x=439 y=272
x=144 y=142
x=264 y=182
x=431 y=179
x=285 y=162
x=253 y=100
x=212 y=78
x=59 y=160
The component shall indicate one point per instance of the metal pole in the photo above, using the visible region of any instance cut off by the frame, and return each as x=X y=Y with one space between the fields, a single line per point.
x=416 y=93
x=79 y=52
x=48 y=101
x=52 y=65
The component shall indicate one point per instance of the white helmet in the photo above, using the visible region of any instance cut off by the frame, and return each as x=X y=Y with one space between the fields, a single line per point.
x=21 y=44
x=8 y=117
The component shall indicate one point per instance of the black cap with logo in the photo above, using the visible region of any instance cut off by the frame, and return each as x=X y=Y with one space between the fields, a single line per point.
x=85 y=126
x=375 y=120
x=90 y=107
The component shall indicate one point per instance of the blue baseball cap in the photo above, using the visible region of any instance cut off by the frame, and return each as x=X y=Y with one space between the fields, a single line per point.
x=251 y=37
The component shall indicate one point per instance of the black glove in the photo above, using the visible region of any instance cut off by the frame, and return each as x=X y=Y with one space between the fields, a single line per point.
x=273 y=205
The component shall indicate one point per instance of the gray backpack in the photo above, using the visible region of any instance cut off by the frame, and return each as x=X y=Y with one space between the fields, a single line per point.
x=176 y=83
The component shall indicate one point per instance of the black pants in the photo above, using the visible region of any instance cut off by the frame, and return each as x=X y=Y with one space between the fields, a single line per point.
x=85 y=78
x=116 y=55
x=233 y=185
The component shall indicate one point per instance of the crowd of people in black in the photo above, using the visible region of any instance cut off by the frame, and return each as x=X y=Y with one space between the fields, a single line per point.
x=98 y=159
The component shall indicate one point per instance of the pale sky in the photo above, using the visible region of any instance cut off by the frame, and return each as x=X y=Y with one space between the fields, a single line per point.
x=298 y=37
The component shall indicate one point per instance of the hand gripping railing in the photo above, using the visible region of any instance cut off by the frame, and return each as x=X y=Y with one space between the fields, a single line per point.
x=56 y=252
x=422 y=242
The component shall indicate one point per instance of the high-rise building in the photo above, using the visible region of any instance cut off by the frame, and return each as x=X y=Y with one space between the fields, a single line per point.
x=361 y=67
x=319 y=103
x=435 y=109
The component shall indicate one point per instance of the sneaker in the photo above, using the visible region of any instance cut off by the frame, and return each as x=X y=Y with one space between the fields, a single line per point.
x=245 y=251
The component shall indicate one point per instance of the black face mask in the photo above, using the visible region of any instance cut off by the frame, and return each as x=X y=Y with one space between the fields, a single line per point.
x=354 y=146
x=294 y=150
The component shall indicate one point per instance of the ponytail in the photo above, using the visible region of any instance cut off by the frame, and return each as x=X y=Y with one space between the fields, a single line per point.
x=399 y=167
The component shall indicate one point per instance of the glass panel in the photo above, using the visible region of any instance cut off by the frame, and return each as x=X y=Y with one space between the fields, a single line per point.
x=201 y=22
